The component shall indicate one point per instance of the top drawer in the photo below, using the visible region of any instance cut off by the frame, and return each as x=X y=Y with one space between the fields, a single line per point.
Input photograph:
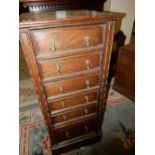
x=49 y=41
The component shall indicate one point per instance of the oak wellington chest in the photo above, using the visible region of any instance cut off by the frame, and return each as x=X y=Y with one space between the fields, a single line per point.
x=68 y=54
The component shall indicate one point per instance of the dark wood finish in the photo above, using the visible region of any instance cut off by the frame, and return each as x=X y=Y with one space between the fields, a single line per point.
x=74 y=38
x=74 y=102
x=74 y=121
x=125 y=72
x=62 y=87
x=73 y=113
x=54 y=5
x=75 y=130
x=119 y=41
x=80 y=80
x=77 y=142
x=79 y=63
x=105 y=72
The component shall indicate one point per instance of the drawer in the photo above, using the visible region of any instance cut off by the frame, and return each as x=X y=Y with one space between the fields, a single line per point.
x=66 y=86
x=51 y=41
x=75 y=130
x=74 y=113
x=72 y=101
x=69 y=65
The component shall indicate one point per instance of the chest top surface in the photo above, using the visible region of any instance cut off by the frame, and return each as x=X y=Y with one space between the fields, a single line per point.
x=31 y=19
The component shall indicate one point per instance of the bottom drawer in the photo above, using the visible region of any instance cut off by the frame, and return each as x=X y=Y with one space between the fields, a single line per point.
x=75 y=130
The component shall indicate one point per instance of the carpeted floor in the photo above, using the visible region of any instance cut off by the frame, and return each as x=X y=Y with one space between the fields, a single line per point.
x=118 y=130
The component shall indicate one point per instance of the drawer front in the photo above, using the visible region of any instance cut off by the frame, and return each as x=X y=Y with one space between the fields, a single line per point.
x=78 y=112
x=66 y=86
x=72 y=131
x=73 y=101
x=69 y=65
x=50 y=41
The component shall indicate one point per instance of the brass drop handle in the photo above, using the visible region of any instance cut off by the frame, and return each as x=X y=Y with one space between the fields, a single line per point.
x=53 y=45
x=87 y=63
x=86 y=128
x=63 y=104
x=58 y=68
x=61 y=89
x=67 y=134
x=86 y=111
x=64 y=117
x=87 y=83
x=87 y=40
x=87 y=99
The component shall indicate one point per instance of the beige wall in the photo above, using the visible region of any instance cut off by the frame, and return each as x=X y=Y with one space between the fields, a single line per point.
x=125 y=6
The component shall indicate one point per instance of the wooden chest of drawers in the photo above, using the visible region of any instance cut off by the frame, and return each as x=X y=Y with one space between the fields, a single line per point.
x=68 y=58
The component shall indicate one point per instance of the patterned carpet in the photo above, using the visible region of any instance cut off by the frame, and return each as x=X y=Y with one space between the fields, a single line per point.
x=118 y=130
